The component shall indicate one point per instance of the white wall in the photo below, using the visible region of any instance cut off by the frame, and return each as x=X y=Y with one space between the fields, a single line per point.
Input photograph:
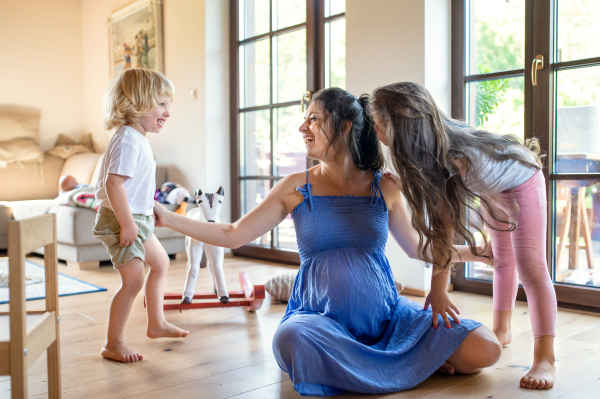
x=217 y=101
x=194 y=145
x=95 y=64
x=391 y=41
x=40 y=63
x=438 y=51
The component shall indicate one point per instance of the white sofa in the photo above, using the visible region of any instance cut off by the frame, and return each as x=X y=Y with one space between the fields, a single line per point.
x=29 y=190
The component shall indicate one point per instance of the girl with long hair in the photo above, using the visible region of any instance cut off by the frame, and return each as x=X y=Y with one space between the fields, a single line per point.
x=445 y=168
x=346 y=327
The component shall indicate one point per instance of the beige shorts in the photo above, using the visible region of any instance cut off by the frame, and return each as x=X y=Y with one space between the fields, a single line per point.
x=108 y=230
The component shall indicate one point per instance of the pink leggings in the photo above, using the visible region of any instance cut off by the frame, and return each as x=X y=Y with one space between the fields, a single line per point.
x=524 y=250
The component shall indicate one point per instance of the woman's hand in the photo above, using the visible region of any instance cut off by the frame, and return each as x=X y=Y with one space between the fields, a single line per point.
x=129 y=233
x=441 y=304
x=160 y=215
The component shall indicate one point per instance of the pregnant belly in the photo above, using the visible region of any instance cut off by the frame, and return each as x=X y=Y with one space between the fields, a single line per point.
x=351 y=286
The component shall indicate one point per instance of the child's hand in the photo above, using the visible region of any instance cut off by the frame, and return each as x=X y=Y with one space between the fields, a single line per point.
x=487 y=251
x=395 y=178
x=441 y=304
x=128 y=234
x=160 y=215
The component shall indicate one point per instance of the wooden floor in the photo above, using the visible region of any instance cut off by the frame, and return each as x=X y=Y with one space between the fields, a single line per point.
x=228 y=352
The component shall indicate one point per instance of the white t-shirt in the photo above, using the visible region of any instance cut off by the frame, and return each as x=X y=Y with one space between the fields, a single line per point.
x=129 y=154
x=497 y=176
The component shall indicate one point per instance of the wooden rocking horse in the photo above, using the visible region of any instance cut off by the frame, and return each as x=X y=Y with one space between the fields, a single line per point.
x=251 y=296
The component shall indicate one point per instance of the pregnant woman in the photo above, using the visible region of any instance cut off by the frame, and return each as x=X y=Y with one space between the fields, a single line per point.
x=346 y=327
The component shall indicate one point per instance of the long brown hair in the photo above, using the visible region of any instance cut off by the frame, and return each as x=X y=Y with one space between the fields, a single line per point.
x=340 y=107
x=423 y=142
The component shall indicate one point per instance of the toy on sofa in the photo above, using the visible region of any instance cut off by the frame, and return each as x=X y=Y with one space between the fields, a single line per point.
x=68 y=183
x=209 y=206
x=173 y=193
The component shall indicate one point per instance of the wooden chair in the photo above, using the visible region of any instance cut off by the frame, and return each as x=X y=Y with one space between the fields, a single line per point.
x=27 y=343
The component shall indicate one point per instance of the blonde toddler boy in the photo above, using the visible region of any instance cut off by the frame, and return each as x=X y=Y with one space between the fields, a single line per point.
x=136 y=104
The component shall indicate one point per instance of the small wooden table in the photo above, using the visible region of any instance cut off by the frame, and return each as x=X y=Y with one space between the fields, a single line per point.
x=576 y=221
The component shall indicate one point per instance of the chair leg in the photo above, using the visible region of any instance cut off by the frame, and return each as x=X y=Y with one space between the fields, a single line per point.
x=18 y=385
x=18 y=317
x=54 y=372
x=53 y=351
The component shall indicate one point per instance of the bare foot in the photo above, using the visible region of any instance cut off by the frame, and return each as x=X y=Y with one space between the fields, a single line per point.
x=540 y=376
x=447 y=368
x=504 y=336
x=166 y=330
x=120 y=352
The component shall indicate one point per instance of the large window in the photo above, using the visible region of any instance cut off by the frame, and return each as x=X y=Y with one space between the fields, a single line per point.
x=532 y=68
x=282 y=52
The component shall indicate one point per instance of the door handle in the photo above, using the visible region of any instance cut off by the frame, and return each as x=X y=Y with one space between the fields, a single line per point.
x=538 y=63
x=306 y=98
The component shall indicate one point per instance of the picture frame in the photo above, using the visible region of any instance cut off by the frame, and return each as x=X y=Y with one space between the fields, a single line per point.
x=135 y=37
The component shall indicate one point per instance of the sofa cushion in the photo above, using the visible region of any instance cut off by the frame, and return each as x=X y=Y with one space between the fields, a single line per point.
x=66 y=147
x=30 y=181
x=74 y=226
x=94 y=179
x=6 y=214
x=20 y=150
x=27 y=209
x=81 y=166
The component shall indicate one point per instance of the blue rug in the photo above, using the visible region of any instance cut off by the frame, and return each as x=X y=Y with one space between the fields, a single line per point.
x=35 y=287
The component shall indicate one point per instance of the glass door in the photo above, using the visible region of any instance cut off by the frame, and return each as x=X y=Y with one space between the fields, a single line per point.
x=532 y=68
x=573 y=87
x=494 y=78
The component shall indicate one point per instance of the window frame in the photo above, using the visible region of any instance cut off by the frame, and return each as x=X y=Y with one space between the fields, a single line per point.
x=539 y=118
x=315 y=61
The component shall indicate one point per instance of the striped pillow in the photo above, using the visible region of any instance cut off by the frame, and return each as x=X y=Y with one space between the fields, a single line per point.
x=280 y=286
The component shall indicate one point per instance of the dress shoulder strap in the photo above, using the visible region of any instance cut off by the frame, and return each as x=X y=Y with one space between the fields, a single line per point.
x=306 y=191
x=376 y=192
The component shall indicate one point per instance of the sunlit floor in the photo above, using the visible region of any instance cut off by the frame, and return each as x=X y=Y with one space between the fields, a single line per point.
x=228 y=352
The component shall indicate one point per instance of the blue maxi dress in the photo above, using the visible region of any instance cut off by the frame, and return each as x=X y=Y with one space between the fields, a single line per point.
x=346 y=327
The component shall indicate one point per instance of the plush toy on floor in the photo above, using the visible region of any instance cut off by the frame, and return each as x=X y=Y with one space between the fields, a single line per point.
x=209 y=206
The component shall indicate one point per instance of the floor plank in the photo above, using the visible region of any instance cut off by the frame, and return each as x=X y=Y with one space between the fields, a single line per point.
x=228 y=353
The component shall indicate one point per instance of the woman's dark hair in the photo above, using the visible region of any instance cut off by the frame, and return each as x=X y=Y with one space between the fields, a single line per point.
x=340 y=107
x=423 y=142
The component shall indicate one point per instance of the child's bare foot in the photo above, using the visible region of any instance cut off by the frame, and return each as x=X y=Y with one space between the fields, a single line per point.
x=120 y=352
x=504 y=336
x=166 y=330
x=447 y=368
x=540 y=376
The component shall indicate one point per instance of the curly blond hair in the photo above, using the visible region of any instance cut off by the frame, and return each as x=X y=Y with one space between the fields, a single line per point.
x=132 y=95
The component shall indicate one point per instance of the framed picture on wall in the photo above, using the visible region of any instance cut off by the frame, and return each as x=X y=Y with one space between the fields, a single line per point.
x=135 y=37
